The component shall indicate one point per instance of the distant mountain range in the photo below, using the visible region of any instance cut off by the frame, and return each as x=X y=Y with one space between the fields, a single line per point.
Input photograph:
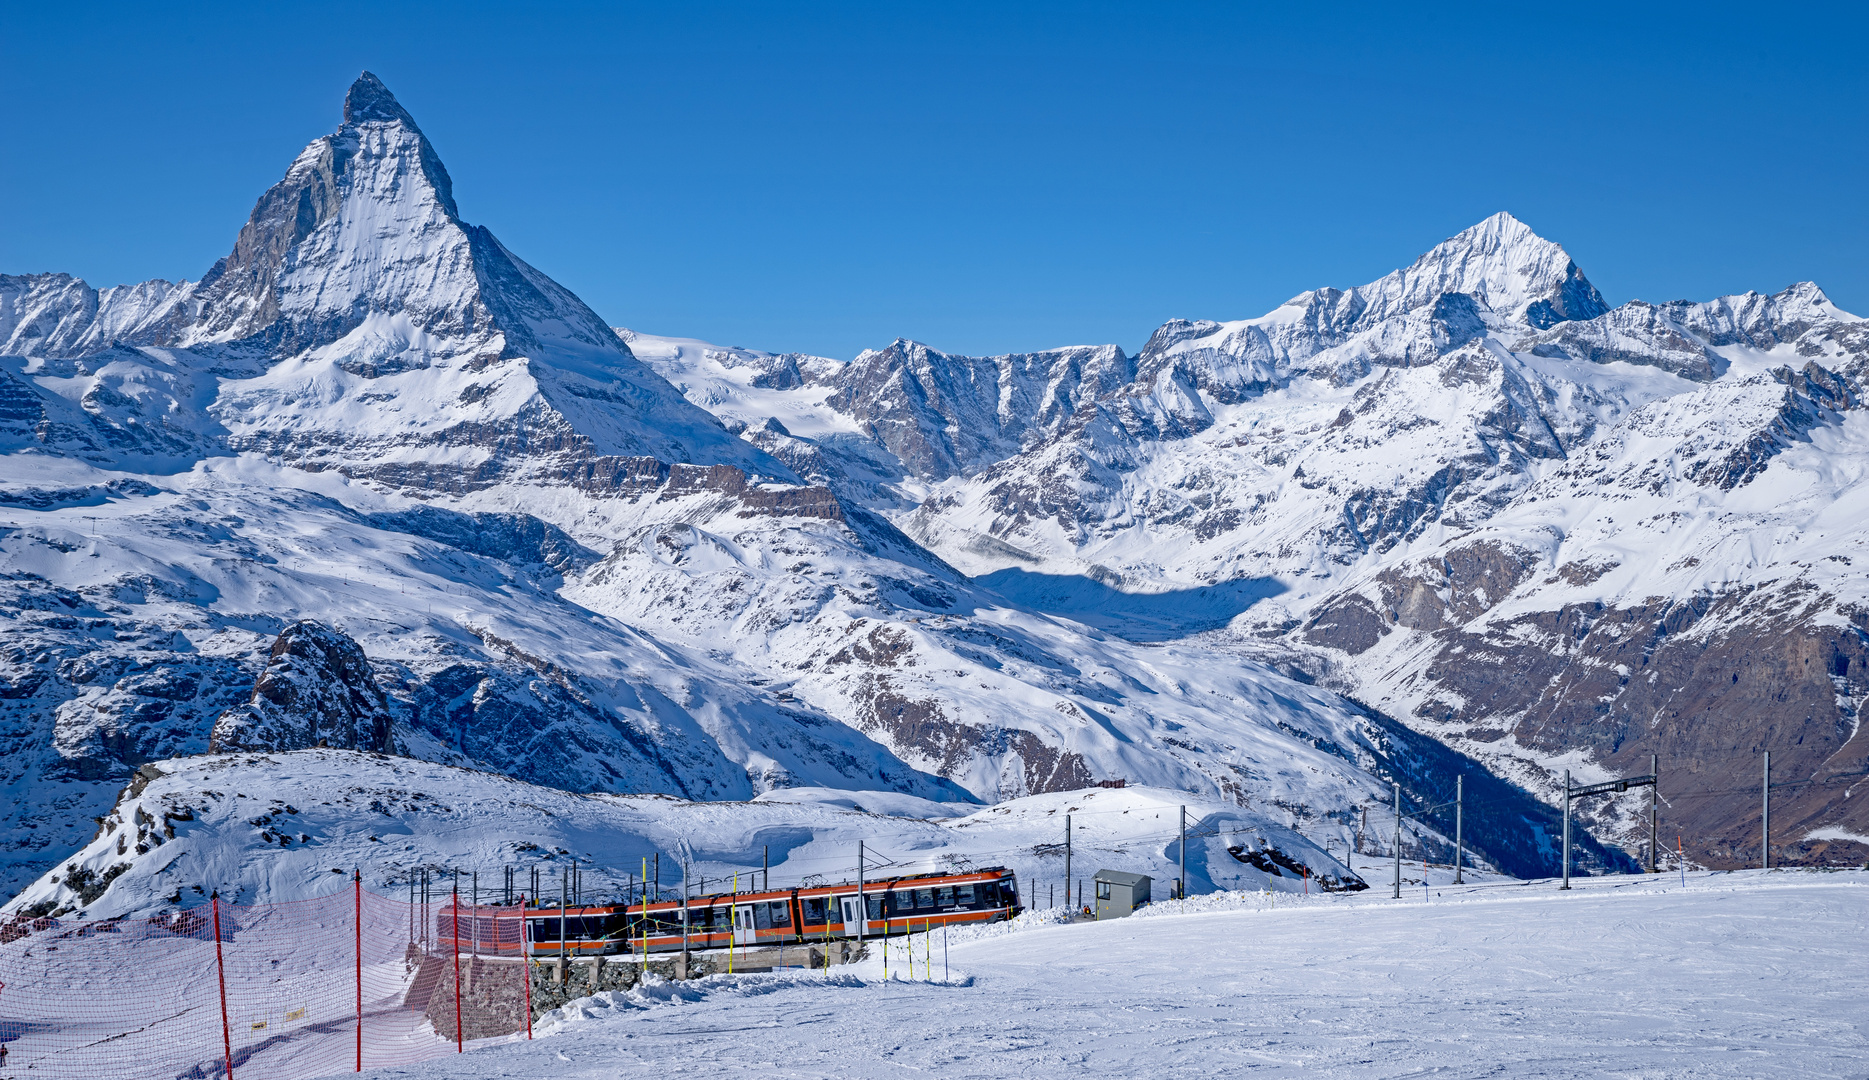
x=373 y=483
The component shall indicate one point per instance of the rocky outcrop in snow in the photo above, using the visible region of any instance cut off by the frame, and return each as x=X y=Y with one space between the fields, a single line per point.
x=317 y=690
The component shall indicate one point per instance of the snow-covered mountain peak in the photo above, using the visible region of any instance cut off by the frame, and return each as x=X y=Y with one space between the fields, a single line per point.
x=369 y=100
x=1502 y=263
x=359 y=323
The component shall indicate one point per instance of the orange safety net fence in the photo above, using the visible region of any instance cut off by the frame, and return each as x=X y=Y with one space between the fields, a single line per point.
x=281 y=991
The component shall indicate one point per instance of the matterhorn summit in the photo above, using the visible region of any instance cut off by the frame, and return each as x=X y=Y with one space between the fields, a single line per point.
x=360 y=324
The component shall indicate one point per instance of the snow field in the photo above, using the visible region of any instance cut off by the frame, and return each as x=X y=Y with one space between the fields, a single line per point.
x=1736 y=975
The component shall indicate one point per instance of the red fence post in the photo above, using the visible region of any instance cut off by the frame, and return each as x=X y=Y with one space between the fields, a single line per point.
x=525 y=963
x=220 y=971
x=357 y=884
x=460 y=1044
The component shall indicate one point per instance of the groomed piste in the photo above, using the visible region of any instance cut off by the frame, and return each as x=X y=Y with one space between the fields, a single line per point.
x=1714 y=975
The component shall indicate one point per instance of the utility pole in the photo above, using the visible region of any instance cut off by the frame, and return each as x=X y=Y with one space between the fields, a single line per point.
x=863 y=913
x=765 y=879
x=1654 y=800
x=1067 y=863
x=1460 y=796
x=1184 y=856
x=1362 y=832
x=1566 y=884
x=1398 y=842
x=1765 y=816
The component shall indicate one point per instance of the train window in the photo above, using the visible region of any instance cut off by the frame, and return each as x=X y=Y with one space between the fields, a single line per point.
x=762 y=917
x=944 y=896
x=964 y=894
x=814 y=910
x=903 y=900
x=875 y=905
x=781 y=913
x=924 y=898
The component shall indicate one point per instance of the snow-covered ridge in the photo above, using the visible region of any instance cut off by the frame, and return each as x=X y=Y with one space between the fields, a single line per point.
x=267 y=828
x=1474 y=436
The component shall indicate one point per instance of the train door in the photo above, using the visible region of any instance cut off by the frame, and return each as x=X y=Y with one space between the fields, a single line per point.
x=852 y=915
x=743 y=925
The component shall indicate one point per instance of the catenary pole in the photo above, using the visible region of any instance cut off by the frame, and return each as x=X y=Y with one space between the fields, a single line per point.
x=1067 y=865
x=1460 y=799
x=1398 y=843
x=1566 y=884
x=1765 y=816
x=1184 y=856
x=765 y=874
x=863 y=914
x=1654 y=802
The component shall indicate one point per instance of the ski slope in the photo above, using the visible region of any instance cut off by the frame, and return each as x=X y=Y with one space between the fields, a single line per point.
x=1734 y=975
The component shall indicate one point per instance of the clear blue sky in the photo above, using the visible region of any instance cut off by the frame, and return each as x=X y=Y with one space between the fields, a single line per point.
x=983 y=178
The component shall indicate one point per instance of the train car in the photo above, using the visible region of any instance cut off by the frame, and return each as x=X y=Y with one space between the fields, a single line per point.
x=481 y=930
x=776 y=917
x=825 y=912
x=577 y=930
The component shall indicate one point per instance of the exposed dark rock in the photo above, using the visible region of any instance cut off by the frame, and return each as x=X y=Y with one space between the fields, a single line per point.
x=1706 y=682
x=318 y=689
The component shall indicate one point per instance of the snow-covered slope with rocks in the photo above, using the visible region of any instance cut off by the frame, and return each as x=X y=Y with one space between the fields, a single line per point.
x=263 y=828
x=375 y=484
x=1428 y=489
